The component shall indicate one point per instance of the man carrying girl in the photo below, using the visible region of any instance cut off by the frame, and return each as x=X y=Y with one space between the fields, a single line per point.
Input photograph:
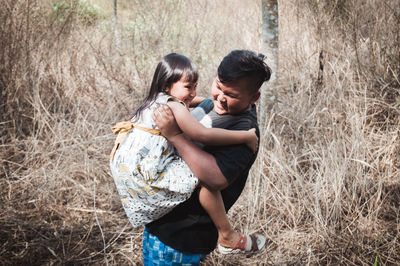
x=187 y=233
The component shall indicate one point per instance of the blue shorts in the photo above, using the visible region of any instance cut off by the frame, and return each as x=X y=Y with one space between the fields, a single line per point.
x=157 y=253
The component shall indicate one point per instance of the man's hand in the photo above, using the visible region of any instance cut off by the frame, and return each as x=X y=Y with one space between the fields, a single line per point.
x=202 y=164
x=165 y=120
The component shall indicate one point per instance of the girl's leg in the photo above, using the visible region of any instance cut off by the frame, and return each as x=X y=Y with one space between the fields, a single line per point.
x=212 y=202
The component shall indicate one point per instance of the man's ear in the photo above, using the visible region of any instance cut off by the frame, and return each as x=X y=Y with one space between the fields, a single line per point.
x=255 y=97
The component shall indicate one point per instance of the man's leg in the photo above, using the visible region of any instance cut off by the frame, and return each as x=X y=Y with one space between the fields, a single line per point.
x=146 y=247
x=157 y=253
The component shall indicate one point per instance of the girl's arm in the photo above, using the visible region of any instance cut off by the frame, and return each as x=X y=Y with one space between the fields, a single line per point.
x=211 y=136
x=196 y=101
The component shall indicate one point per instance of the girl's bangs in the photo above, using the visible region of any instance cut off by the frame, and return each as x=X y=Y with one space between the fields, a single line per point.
x=190 y=75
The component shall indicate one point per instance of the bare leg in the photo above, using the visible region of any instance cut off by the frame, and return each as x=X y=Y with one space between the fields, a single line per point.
x=212 y=202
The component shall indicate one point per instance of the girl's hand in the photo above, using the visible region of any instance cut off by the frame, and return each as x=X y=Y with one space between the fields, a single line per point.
x=252 y=142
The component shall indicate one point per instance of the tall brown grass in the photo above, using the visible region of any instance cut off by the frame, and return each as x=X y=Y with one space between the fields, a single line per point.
x=325 y=188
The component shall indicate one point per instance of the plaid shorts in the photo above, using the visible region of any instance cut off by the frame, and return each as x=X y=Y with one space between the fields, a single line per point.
x=157 y=253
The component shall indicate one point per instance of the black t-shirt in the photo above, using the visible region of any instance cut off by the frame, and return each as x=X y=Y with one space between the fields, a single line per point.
x=188 y=227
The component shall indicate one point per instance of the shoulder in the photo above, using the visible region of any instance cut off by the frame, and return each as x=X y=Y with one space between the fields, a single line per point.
x=163 y=98
x=176 y=106
x=248 y=118
x=243 y=121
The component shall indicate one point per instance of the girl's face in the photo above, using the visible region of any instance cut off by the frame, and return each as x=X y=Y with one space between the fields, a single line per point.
x=183 y=90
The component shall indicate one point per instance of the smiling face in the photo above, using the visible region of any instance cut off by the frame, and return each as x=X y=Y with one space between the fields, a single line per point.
x=232 y=97
x=183 y=90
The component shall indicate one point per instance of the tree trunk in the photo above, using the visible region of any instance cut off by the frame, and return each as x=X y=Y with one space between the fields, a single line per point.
x=270 y=33
x=116 y=33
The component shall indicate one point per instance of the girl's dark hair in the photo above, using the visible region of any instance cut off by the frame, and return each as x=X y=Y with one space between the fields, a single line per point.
x=246 y=64
x=169 y=70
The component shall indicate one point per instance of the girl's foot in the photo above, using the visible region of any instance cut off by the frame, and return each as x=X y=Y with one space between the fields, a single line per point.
x=229 y=240
x=246 y=244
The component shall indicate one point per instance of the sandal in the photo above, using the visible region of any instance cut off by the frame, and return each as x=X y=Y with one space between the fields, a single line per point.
x=246 y=244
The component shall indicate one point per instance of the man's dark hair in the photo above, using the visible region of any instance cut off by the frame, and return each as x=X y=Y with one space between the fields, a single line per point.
x=246 y=64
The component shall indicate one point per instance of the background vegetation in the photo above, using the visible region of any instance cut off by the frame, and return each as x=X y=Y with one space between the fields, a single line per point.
x=325 y=188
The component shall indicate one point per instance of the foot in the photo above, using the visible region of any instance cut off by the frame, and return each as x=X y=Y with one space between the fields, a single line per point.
x=229 y=240
x=246 y=244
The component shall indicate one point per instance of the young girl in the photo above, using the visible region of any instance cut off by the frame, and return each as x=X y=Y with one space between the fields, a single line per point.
x=150 y=176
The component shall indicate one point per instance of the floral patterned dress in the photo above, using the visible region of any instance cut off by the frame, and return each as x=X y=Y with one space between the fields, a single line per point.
x=150 y=176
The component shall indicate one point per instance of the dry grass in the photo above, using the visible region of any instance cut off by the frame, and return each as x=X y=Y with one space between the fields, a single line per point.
x=325 y=188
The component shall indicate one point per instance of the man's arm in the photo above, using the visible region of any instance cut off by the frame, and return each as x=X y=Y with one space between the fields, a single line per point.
x=202 y=164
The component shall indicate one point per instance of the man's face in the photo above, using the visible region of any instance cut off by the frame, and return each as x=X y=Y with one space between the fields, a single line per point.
x=232 y=97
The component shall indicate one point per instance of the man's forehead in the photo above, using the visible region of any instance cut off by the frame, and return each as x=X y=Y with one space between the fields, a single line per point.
x=240 y=85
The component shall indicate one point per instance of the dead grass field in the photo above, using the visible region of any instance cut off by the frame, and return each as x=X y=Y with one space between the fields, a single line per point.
x=325 y=188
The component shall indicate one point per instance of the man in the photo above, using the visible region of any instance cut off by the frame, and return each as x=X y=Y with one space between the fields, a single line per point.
x=187 y=234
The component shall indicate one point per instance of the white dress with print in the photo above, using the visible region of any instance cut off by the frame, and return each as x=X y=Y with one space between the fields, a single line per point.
x=150 y=176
